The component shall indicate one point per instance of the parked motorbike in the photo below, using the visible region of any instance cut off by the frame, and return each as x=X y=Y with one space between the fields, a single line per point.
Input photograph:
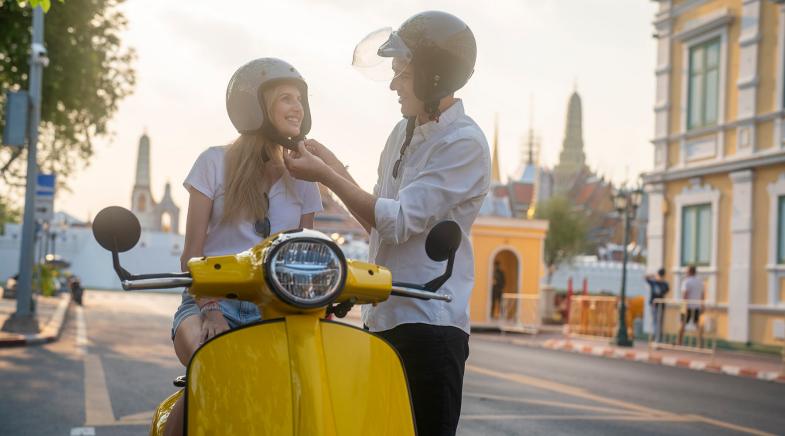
x=295 y=372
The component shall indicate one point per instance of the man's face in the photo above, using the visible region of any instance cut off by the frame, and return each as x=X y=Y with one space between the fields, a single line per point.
x=403 y=85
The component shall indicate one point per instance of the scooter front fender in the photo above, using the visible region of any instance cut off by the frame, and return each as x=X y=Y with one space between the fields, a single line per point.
x=298 y=376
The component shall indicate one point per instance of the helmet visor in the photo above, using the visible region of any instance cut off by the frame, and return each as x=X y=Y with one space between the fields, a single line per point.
x=382 y=55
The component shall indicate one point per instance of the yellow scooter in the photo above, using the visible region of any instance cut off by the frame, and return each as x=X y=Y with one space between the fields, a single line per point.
x=294 y=373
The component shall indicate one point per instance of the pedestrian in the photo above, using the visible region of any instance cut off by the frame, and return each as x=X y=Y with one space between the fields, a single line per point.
x=658 y=290
x=692 y=291
x=241 y=193
x=435 y=166
x=497 y=288
x=76 y=289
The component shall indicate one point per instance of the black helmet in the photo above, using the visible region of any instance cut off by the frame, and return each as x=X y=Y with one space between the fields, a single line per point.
x=443 y=53
x=439 y=45
x=245 y=102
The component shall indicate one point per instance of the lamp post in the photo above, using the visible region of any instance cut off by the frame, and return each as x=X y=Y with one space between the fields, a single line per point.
x=626 y=202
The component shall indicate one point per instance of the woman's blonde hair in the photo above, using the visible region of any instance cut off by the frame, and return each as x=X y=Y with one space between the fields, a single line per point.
x=248 y=160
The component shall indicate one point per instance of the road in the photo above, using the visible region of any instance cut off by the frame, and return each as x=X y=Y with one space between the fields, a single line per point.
x=114 y=363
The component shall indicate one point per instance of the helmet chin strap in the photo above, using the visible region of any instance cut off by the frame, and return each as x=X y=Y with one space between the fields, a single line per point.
x=269 y=131
x=432 y=109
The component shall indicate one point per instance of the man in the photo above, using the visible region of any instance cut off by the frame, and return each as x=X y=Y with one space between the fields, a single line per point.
x=497 y=289
x=692 y=291
x=435 y=166
x=659 y=289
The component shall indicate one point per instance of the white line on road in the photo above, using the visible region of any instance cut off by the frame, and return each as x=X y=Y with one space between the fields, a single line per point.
x=81 y=332
x=83 y=431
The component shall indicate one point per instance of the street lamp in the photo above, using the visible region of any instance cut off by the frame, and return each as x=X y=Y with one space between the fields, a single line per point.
x=626 y=202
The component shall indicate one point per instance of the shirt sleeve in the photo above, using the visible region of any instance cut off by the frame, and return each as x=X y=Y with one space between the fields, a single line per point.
x=456 y=172
x=311 y=198
x=204 y=174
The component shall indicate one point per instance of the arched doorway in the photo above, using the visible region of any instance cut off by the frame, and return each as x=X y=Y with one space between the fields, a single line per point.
x=504 y=280
x=166 y=222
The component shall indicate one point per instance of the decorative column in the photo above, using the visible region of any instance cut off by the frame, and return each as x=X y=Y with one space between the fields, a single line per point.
x=662 y=31
x=655 y=232
x=739 y=281
x=747 y=83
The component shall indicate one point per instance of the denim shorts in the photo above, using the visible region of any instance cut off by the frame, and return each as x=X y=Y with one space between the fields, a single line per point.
x=235 y=312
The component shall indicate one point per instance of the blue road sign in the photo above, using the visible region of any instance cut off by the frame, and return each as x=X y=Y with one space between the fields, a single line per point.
x=45 y=187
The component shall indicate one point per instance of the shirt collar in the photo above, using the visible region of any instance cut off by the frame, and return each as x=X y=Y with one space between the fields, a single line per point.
x=445 y=119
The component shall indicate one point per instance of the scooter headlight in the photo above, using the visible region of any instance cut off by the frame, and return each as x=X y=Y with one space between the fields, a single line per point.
x=306 y=272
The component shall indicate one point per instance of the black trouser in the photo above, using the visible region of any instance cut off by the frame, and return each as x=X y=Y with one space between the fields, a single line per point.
x=434 y=358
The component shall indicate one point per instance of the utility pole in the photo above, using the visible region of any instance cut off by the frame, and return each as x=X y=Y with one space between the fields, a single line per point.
x=24 y=320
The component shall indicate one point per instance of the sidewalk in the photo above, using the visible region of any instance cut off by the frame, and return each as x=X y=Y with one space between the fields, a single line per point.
x=737 y=363
x=51 y=314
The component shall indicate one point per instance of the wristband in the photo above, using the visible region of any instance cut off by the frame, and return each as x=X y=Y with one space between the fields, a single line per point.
x=209 y=307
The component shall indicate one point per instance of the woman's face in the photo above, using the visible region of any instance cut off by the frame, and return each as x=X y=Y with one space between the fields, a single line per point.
x=286 y=110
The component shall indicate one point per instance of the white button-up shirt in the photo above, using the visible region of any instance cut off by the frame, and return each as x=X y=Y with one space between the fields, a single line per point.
x=445 y=174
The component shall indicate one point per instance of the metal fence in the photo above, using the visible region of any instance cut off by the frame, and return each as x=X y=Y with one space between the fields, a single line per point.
x=520 y=313
x=678 y=329
x=593 y=316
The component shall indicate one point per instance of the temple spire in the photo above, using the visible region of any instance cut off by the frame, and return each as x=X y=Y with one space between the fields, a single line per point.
x=495 y=172
x=143 y=162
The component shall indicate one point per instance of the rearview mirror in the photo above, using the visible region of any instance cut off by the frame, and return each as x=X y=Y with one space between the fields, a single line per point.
x=443 y=240
x=116 y=229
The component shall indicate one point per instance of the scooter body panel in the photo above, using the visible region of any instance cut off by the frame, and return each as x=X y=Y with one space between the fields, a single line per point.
x=297 y=376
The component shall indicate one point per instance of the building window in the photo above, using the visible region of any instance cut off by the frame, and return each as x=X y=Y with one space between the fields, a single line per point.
x=696 y=235
x=704 y=84
x=781 y=229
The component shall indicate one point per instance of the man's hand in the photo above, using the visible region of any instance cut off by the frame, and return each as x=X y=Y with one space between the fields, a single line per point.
x=317 y=149
x=213 y=323
x=304 y=165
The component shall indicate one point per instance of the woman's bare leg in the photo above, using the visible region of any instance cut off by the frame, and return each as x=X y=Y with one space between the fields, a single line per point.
x=186 y=341
x=174 y=424
x=187 y=338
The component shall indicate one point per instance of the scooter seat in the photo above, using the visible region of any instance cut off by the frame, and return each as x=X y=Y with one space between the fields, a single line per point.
x=179 y=381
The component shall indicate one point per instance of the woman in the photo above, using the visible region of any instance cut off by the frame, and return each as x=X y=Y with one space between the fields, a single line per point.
x=241 y=193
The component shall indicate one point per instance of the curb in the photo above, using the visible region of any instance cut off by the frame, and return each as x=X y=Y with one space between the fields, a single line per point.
x=50 y=332
x=646 y=357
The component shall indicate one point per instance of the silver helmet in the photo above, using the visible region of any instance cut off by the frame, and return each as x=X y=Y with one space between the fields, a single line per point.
x=245 y=103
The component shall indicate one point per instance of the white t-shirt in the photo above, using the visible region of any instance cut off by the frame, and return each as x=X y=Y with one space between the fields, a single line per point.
x=286 y=208
x=692 y=287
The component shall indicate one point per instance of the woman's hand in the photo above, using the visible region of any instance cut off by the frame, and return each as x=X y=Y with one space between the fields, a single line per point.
x=213 y=323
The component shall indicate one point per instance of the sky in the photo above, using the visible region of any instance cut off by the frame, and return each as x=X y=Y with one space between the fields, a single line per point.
x=532 y=54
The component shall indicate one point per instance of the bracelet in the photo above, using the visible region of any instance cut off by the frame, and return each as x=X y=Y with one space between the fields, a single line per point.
x=209 y=307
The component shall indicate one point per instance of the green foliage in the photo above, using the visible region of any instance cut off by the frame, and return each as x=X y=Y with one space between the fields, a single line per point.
x=44 y=279
x=566 y=231
x=88 y=74
x=8 y=214
x=45 y=4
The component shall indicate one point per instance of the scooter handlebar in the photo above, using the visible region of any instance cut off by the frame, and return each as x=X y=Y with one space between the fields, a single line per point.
x=159 y=283
x=416 y=293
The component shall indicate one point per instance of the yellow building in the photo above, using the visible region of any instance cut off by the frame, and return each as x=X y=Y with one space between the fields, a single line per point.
x=717 y=191
x=517 y=245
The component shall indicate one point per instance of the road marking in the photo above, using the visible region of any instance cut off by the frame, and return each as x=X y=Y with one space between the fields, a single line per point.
x=559 y=404
x=98 y=404
x=730 y=426
x=83 y=431
x=582 y=393
x=565 y=389
x=673 y=418
x=81 y=332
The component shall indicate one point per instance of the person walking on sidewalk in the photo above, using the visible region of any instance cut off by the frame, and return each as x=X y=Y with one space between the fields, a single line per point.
x=659 y=288
x=693 y=291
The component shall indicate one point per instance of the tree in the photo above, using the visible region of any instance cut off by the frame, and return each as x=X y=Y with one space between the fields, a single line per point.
x=566 y=232
x=89 y=73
